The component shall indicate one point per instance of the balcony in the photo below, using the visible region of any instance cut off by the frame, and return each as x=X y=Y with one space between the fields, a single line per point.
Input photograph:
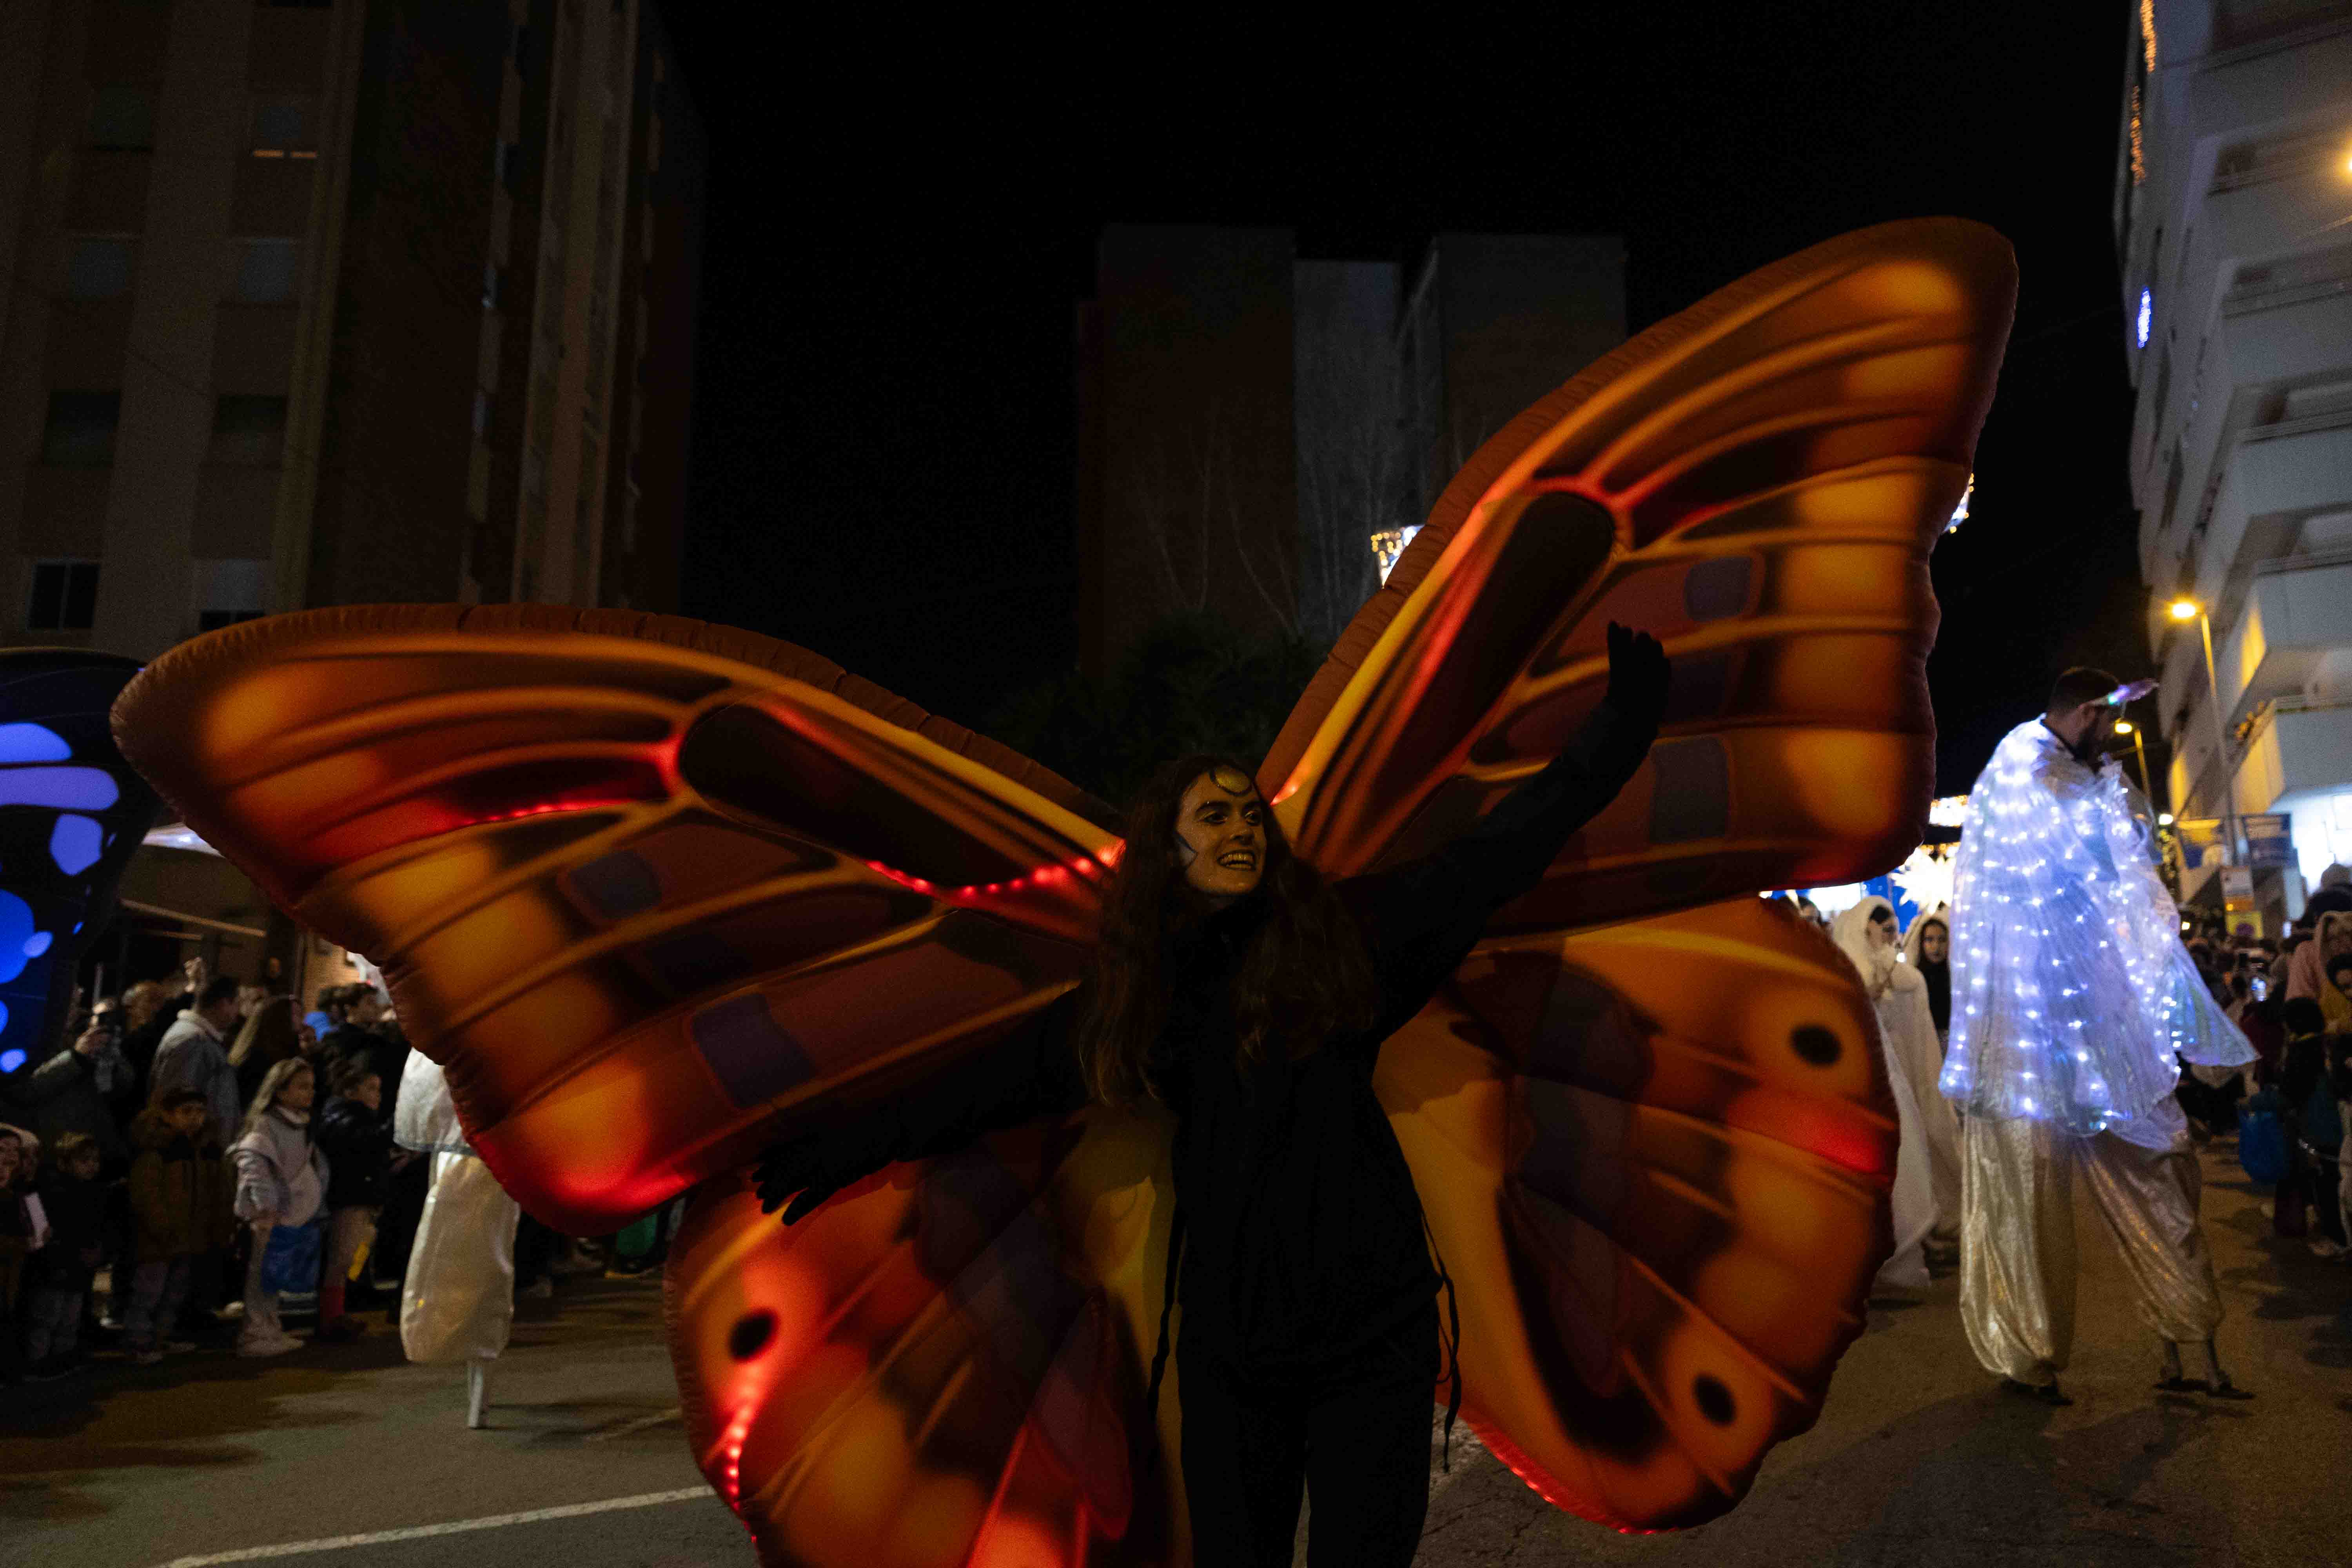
x=2296 y=745
x=2295 y=610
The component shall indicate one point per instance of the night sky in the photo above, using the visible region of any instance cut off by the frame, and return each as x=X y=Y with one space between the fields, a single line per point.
x=900 y=227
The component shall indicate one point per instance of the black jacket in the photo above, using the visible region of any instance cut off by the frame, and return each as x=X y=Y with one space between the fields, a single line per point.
x=1305 y=1238
x=76 y=1211
x=358 y=1146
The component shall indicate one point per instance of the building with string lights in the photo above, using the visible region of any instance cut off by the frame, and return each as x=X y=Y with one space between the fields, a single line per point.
x=2234 y=226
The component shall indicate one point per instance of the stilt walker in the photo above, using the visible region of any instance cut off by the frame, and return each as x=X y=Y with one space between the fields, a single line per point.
x=2073 y=1001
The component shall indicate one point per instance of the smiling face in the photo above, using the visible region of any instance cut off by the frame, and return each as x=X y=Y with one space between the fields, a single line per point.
x=1221 y=835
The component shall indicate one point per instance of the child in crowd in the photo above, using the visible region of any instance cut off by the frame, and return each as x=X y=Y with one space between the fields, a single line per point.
x=179 y=1212
x=281 y=1191
x=357 y=1143
x=73 y=1202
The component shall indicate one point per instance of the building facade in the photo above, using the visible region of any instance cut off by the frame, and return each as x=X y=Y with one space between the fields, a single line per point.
x=315 y=304
x=1248 y=420
x=335 y=303
x=2233 y=223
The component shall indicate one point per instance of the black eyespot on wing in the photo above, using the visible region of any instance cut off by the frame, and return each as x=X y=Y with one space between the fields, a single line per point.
x=1714 y=1400
x=1814 y=1044
x=751 y=1334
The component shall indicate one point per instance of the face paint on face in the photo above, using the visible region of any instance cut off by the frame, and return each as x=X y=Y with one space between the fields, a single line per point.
x=1221 y=835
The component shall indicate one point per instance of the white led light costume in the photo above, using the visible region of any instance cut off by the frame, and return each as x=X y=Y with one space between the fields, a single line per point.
x=2071 y=991
x=2071 y=1000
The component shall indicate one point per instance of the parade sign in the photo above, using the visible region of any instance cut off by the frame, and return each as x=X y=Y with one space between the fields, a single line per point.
x=2268 y=838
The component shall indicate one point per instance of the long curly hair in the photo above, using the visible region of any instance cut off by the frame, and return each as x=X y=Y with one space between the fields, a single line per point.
x=1306 y=976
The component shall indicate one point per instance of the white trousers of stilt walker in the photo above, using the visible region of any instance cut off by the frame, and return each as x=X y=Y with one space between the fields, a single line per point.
x=2017 y=1239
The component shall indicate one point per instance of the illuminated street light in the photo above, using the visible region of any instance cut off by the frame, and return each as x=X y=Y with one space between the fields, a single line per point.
x=2190 y=610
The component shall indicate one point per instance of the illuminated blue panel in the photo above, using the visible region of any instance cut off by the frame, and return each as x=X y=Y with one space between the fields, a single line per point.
x=76 y=843
x=9 y=1060
x=15 y=928
x=74 y=789
x=32 y=743
x=37 y=944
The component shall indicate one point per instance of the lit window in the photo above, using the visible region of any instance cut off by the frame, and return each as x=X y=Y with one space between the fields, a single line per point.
x=64 y=597
x=2146 y=318
x=122 y=120
x=248 y=429
x=98 y=269
x=80 y=433
x=281 y=129
x=265 y=272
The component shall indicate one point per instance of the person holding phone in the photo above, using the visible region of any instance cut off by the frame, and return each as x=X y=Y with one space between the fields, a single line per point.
x=89 y=1086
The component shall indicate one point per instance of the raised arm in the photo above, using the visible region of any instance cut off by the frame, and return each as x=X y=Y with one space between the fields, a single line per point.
x=1031 y=1074
x=1423 y=917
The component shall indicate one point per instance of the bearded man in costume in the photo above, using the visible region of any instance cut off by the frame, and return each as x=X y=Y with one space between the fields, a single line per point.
x=2073 y=1001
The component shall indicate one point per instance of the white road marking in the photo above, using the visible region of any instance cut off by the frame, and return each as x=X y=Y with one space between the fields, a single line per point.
x=639 y=1424
x=456 y=1527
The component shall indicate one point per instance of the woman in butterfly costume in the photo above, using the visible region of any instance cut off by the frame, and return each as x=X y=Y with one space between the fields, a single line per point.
x=660 y=896
x=1234 y=991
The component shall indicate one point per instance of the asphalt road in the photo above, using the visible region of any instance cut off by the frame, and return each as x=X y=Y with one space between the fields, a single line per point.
x=1918 y=1460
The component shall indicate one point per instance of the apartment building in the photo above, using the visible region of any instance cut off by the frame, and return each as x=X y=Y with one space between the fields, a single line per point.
x=2234 y=225
x=315 y=304
x=329 y=303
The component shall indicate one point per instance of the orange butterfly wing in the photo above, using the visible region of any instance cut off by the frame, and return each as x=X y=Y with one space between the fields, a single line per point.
x=1655 y=1157
x=1757 y=480
x=649 y=890
x=944 y=1364
x=1655 y=1154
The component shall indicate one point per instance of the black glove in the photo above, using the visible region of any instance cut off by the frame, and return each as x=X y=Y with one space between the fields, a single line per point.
x=1639 y=674
x=808 y=1169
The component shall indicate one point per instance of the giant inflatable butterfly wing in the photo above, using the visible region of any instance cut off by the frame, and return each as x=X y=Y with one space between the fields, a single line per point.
x=1655 y=1154
x=72 y=812
x=653 y=893
x=648 y=891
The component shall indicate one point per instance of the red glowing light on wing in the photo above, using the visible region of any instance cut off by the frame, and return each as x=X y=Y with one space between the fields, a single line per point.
x=1068 y=878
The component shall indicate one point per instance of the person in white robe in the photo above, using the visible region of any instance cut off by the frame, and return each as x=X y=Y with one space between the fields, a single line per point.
x=1907 y=1026
x=1866 y=936
x=2073 y=1001
x=456 y=1303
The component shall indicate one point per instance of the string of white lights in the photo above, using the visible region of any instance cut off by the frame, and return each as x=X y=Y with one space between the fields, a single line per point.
x=2073 y=997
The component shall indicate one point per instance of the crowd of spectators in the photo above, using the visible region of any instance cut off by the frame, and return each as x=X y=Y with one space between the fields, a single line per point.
x=2293 y=997
x=200 y=1163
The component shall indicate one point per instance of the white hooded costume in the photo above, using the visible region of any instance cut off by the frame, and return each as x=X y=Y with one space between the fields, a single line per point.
x=2071 y=995
x=1906 y=1031
x=457 y=1304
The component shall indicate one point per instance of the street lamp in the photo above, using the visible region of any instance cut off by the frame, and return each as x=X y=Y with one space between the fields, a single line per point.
x=2140 y=748
x=2190 y=610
